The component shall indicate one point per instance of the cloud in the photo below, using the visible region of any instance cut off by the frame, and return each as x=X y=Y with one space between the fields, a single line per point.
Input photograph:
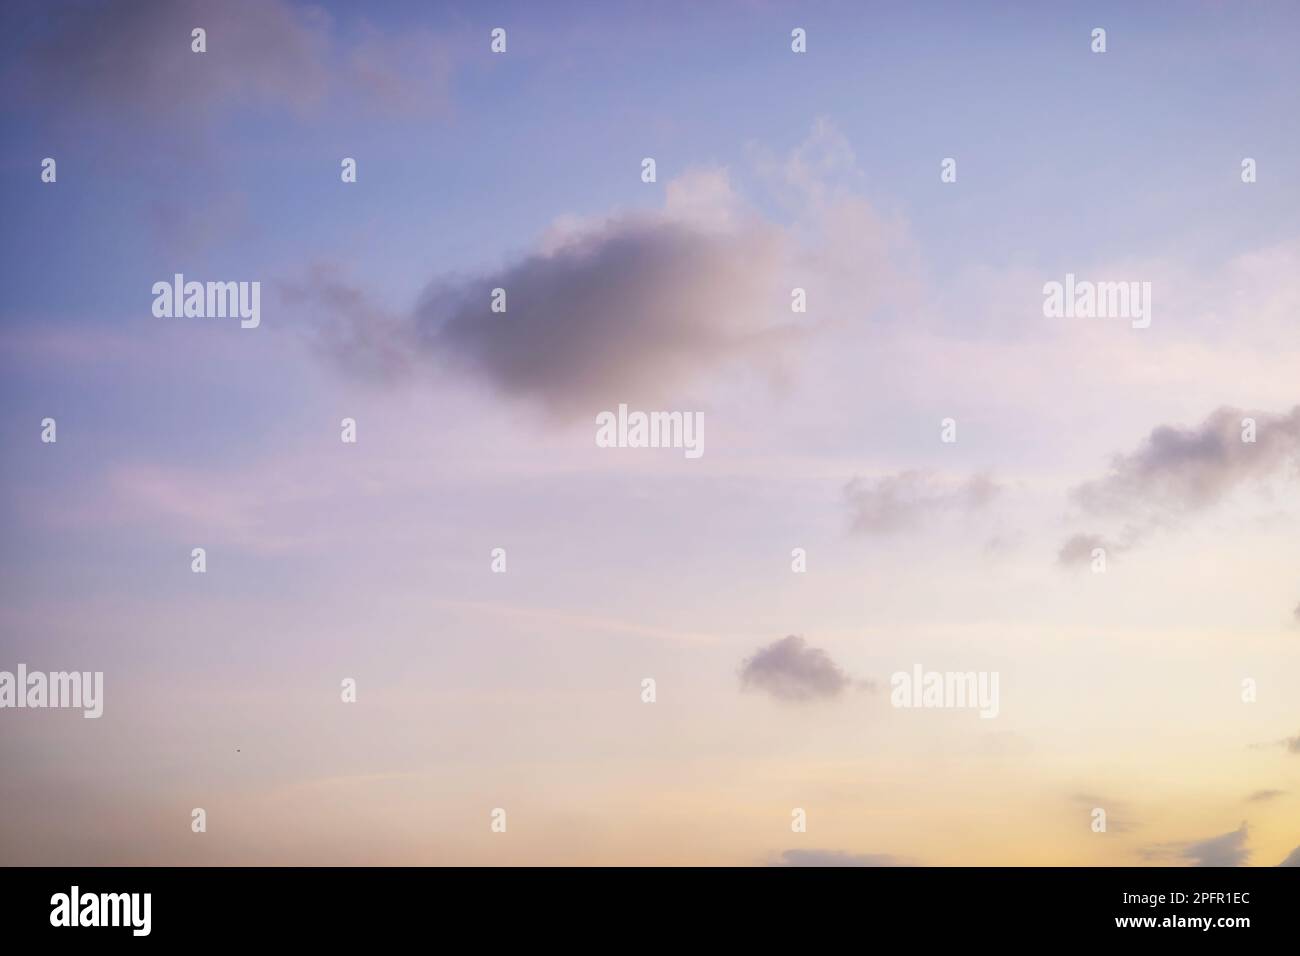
x=790 y=670
x=648 y=305
x=1227 y=849
x=1180 y=471
x=632 y=308
x=1292 y=858
x=1296 y=613
x=835 y=858
x=131 y=61
x=1263 y=796
x=1190 y=469
x=1292 y=744
x=626 y=309
x=349 y=327
x=134 y=56
x=1078 y=550
x=904 y=500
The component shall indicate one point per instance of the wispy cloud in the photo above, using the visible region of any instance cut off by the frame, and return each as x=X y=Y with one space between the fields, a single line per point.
x=905 y=500
x=1263 y=796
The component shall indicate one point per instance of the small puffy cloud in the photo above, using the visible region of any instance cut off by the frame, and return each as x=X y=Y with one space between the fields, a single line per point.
x=907 y=499
x=835 y=858
x=790 y=670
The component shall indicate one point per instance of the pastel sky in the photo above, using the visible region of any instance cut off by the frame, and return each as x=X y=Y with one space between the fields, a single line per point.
x=522 y=690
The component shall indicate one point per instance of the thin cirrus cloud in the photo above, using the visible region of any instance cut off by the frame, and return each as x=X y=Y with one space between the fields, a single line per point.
x=905 y=500
x=791 y=671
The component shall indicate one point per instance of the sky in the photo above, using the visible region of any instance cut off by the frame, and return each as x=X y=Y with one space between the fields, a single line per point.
x=916 y=471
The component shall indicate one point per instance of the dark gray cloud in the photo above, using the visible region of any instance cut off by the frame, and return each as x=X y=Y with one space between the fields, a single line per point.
x=836 y=858
x=1227 y=849
x=1189 y=469
x=1292 y=858
x=1263 y=796
x=790 y=670
x=623 y=312
x=905 y=500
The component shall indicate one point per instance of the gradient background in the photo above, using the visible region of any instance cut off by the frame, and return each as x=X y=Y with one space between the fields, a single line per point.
x=522 y=690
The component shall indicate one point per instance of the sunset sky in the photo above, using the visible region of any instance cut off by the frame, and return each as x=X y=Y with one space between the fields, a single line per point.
x=522 y=690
